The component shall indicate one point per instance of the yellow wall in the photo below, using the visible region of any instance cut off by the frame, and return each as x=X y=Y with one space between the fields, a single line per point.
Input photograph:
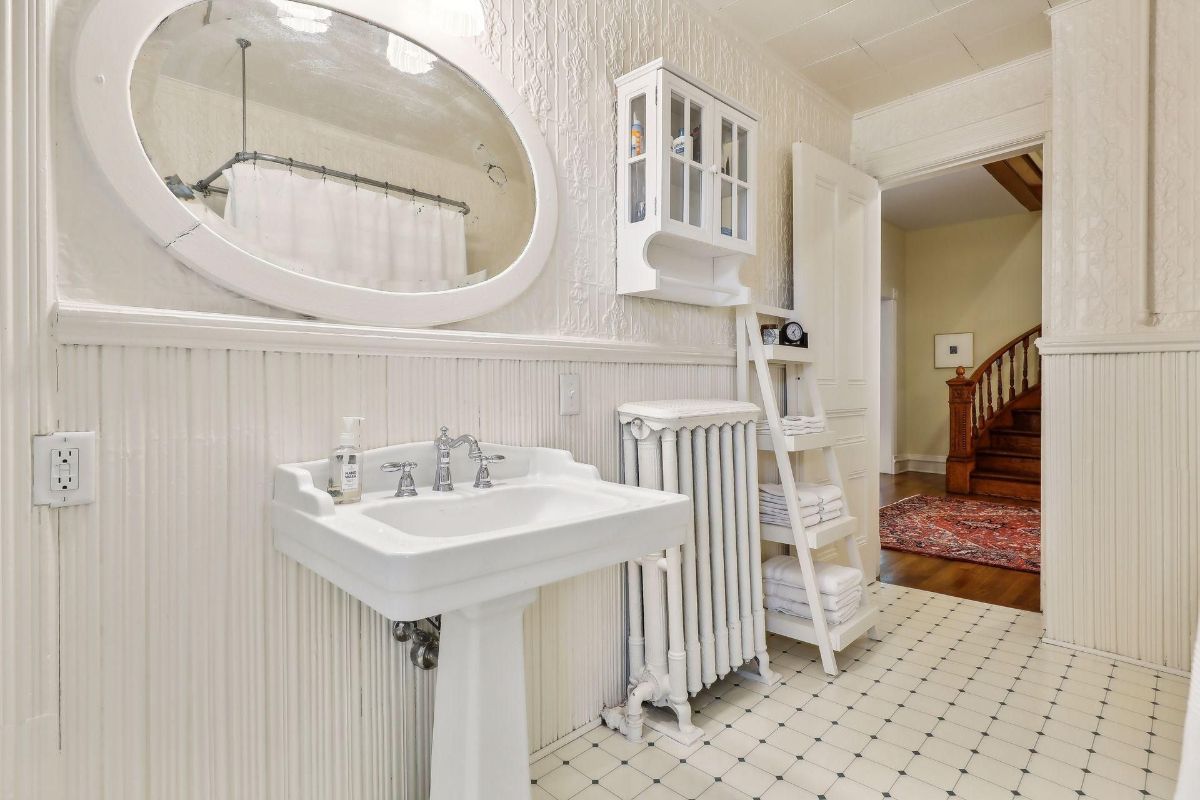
x=982 y=277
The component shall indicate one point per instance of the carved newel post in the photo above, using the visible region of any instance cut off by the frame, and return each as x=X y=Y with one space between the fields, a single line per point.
x=961 y=458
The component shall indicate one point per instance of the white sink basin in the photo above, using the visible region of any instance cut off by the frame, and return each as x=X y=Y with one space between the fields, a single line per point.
x=476 y=556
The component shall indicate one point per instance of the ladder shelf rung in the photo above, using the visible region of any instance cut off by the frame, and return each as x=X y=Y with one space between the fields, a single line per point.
x=788 y=354
x=774 y=311
x=840 y=636
x=798 y=443
x=819 y=535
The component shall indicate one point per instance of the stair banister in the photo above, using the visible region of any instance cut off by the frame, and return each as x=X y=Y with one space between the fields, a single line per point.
x=973 y=413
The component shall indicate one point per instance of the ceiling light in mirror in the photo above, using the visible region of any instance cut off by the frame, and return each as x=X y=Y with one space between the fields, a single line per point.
x=408 y=57
x=303 y=17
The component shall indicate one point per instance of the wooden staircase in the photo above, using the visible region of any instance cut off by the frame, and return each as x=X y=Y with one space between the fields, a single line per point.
x=996 y=425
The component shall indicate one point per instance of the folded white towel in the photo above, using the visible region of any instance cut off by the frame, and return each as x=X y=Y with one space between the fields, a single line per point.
x=827 y=492
x=782 y=519
x=802 y=610
x=802 y=419
x=836 y=505
x=829 y=516
x=828 y=601
x=831 y=578
x=768 y=492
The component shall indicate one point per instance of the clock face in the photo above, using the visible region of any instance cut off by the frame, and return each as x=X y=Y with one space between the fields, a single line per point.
x=792 y=331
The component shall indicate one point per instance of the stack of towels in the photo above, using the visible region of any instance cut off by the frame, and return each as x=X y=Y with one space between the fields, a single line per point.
x=783 y=589
x=796 y=426
x=818 y=503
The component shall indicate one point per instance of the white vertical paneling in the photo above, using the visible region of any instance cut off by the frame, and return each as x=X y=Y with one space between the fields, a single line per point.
x=1121 y=561
x=29 y=721
x=197 y=662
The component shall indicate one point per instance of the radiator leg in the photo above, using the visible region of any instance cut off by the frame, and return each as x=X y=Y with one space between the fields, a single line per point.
x=676 y=655
x=629 y=719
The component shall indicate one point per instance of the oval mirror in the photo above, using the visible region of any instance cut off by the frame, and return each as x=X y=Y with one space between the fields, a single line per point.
x=326 y=164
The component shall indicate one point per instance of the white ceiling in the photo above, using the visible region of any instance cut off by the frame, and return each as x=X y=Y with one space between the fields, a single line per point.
x=869 y=52
x=961 y=196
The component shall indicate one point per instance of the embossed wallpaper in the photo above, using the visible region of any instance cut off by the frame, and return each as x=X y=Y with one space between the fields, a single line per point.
x=563 y=56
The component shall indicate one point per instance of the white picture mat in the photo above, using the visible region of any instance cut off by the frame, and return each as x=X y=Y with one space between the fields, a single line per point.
x=953 y=350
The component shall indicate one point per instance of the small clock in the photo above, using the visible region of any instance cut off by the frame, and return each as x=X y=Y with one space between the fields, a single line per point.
x=792 y=333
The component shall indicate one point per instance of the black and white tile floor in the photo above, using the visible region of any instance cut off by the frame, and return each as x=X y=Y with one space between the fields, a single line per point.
x=959 y=699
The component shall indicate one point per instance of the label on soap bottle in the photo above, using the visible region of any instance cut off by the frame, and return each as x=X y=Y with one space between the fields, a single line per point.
x=349 y=475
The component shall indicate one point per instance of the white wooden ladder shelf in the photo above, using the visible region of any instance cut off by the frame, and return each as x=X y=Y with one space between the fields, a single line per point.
x=806 y=540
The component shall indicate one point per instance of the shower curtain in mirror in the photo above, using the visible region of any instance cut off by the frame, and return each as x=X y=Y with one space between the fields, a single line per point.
x=347 y=234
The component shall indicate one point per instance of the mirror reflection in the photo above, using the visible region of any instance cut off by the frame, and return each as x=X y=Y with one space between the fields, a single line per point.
x=332 y=147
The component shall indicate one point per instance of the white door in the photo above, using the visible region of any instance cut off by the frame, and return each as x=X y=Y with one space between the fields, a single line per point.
x=889 y=357
x=836 y=269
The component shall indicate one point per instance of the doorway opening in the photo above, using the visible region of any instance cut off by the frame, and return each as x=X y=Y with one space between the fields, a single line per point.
x=960 y=395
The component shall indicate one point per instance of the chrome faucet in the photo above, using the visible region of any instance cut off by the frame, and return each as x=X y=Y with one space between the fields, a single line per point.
x=442 y=481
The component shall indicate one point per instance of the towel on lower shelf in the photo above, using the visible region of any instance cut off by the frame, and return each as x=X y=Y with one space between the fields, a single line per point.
x=831 y=578
x=825 y=492
x=829 y=602
x=772 y=493
x=802 y=610
x=782 y=519
x=795 y=425
x=829 y=516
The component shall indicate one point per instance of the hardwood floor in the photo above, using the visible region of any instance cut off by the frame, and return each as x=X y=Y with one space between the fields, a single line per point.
x=1005 y=587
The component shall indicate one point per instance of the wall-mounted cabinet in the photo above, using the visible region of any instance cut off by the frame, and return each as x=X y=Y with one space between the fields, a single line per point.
x=686 y=182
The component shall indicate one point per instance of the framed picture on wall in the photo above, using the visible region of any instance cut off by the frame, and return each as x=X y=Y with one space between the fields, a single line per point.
x=953 y=350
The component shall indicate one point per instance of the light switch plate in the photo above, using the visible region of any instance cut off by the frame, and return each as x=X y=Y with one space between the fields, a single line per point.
x=568 y=395
x=64 y=469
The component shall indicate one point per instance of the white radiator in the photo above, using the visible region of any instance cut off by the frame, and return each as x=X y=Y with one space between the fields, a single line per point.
x=696 y=612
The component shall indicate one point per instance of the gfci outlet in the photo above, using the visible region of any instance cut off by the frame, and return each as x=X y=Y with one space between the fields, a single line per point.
x=568 y=395
x=64 y=469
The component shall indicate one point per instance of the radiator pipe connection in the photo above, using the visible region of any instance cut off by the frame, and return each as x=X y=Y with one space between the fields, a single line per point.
x=425 y=640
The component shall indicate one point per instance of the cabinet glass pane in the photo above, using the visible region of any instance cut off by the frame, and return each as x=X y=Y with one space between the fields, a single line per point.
x=676 y=205
x=637 y=191
x=726 y=208
x=743 y=213
x=678 y=121
x=726 y=147
x=637 y=158
x=696 y=121
x=696 y=196
x=637 y=125
x=743 y=158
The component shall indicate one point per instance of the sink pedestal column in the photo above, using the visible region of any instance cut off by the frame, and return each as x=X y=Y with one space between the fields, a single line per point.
x=480 y=738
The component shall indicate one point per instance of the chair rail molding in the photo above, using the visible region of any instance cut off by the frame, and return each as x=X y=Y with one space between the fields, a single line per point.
x=92 y=324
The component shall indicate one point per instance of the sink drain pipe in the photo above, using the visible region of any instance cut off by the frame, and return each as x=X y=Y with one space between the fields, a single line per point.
x=425 y=640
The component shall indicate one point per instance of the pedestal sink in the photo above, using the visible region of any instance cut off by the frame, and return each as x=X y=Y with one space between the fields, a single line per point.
x=475 y=556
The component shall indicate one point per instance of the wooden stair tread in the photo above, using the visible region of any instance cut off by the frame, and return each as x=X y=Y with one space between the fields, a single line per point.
x=1017 y=432
x=1004 y=476
x=999 y=451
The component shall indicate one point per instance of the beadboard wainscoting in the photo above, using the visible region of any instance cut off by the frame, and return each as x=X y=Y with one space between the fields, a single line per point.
x=1121 y=443
x=227 y=669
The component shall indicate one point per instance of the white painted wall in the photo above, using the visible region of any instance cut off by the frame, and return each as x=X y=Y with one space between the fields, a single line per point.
x=1120 y=479
x=196 y=662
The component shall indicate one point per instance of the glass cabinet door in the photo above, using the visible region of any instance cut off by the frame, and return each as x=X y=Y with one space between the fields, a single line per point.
x=736 y=180
x=686 y=191
x=635 y=161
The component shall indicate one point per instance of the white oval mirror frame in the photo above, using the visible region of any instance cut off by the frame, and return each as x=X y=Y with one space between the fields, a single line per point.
x=110 y=40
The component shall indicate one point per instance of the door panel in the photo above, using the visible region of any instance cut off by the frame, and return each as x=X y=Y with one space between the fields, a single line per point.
x=836 y=264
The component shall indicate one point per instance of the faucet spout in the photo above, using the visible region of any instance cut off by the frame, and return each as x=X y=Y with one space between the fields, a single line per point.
x=442 y=480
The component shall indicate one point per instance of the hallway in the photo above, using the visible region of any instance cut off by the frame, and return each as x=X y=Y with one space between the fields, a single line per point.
x=1003 y=587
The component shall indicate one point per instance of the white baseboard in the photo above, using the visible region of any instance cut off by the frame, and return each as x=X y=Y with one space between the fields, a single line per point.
x=1117 y=657
x=920 y=462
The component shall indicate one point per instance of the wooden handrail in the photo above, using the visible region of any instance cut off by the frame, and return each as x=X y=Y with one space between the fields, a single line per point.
x=973 y=412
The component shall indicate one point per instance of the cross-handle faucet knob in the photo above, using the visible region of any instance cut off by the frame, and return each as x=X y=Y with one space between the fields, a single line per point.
x=407 y=487
x=483 y=478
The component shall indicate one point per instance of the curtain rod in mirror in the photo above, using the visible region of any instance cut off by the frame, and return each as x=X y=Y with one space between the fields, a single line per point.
x=204 y=186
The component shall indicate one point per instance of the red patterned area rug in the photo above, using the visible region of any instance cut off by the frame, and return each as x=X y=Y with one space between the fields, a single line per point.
x=964 y=530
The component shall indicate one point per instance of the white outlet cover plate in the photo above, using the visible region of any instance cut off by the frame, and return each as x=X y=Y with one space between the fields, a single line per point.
x=568 y=395
x=44 y=493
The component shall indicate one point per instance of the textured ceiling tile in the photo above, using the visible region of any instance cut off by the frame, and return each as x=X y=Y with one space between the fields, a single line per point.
x=764 y=19
x=1011 y=43
x=925 y=73
x=816 y=41
x=864 y=20
x=921 y=40
x=851 y=66
x=982 y=17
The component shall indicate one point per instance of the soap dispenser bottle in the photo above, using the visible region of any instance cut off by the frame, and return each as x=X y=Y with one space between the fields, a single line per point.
x=345 y=464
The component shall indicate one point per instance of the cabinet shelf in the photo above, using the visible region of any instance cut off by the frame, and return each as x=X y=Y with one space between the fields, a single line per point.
x=685 y=224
